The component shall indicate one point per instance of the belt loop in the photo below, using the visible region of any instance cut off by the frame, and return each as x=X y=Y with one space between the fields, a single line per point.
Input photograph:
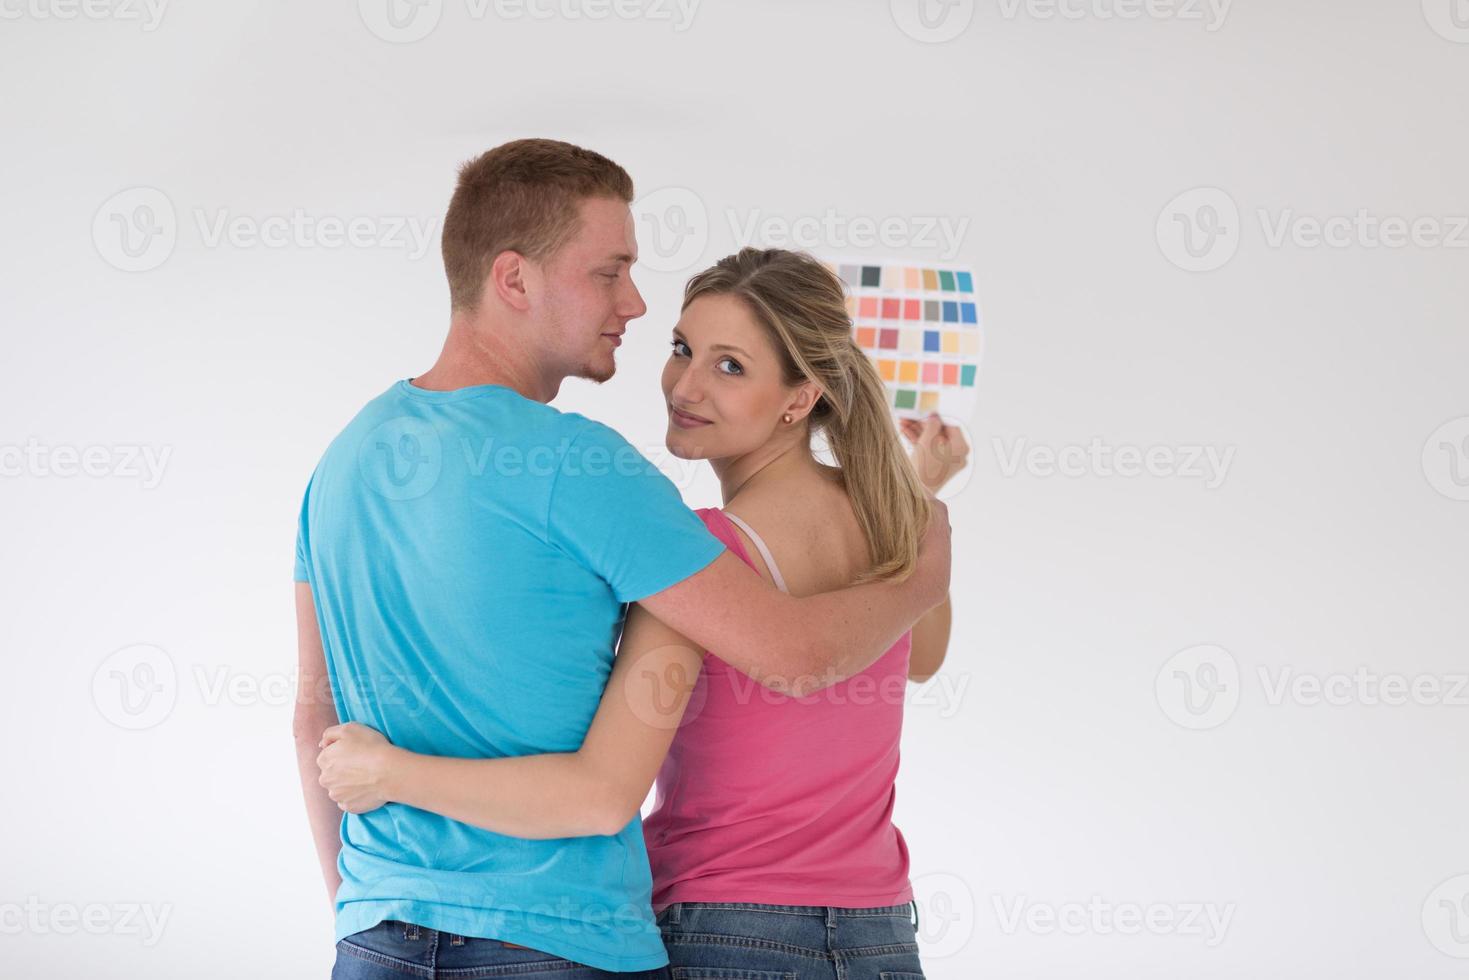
x=673 y=913
x=915 y=915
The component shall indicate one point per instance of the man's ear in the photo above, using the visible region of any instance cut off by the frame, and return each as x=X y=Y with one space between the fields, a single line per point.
x=805 y=399
x=508 y=279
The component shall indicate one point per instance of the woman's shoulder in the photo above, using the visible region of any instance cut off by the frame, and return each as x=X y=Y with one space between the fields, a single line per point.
x=735 y=537
x=812 y=534
x=796 y=515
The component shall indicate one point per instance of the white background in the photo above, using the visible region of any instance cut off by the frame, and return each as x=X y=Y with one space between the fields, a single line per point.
x=1057 y=767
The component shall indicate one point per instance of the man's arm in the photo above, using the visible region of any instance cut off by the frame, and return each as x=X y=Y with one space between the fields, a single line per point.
x=798 y=646
x=631 y=528
x=314 y=714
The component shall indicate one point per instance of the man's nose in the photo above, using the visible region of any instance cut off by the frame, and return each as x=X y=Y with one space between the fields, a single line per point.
x=632 y=304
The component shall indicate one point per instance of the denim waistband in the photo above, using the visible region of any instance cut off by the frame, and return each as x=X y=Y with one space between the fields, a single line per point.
x=829 y=913
x=694 y=930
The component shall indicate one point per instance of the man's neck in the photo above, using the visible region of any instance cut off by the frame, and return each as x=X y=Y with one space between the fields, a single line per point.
x=475 y=353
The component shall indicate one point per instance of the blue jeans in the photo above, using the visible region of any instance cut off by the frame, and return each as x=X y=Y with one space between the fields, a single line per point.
x=790 y=942
x=396 y=950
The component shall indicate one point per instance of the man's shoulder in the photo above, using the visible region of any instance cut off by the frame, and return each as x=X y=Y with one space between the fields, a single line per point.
x=486 y=404
x=588 y=432
x=537 y=427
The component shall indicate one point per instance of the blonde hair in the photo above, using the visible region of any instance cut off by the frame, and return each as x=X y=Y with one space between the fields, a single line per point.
x=801 y=303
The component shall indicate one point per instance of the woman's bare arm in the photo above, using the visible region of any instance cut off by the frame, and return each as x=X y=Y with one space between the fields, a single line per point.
x=939 y=453
x=930 y=643
x=594 y=790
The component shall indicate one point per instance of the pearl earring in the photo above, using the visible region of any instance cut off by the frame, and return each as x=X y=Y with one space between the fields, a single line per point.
x=786 y=418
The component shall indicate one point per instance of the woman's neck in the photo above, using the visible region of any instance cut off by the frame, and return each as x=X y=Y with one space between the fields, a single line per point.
x=776 y=461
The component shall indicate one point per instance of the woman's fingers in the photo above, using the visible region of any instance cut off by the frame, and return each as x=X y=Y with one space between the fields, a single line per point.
x=931 y=434
x=351 y=729
x=958 y=445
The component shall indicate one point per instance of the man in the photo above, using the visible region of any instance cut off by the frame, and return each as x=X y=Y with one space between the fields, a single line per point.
x=464 y=559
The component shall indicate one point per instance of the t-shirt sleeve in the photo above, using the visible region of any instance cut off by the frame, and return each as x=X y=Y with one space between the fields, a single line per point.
x=302 y=574
x=615 y=513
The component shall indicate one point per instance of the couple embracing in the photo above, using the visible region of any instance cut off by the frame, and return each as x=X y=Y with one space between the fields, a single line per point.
x=523 y=629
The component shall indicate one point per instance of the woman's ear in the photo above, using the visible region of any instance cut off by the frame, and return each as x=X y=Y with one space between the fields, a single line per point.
x=807 y=394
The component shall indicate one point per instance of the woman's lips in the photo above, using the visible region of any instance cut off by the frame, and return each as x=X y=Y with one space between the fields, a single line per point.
x=685 y=421
x=616 y=338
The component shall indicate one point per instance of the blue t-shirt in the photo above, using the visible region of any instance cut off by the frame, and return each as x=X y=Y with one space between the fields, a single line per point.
x=470 y=554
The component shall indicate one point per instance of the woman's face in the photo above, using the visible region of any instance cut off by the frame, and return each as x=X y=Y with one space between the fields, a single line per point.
x=722 y=384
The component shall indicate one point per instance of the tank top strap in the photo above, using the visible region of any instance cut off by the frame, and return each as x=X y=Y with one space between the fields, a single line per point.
x=760 y=547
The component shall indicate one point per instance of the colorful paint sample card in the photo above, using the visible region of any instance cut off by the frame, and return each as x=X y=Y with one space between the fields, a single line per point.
x=920 y=325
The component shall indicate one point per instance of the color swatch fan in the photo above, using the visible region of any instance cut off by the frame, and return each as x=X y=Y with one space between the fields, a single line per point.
x=920 y=326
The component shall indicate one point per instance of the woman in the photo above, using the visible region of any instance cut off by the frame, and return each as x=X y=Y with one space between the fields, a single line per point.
x=771 y=842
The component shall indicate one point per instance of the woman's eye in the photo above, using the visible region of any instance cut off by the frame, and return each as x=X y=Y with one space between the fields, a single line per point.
x=734 y=366
x=680 y=349
x=609 y=275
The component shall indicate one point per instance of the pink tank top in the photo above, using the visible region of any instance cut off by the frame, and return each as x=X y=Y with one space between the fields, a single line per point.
x=777 y=800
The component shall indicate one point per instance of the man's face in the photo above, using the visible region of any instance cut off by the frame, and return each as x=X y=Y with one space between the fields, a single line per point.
x=589 y=293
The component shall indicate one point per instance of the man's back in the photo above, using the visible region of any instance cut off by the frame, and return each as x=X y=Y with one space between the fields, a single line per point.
x=469 y=552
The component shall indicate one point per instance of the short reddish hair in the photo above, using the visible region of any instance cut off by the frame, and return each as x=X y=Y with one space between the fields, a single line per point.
x=522 y=197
